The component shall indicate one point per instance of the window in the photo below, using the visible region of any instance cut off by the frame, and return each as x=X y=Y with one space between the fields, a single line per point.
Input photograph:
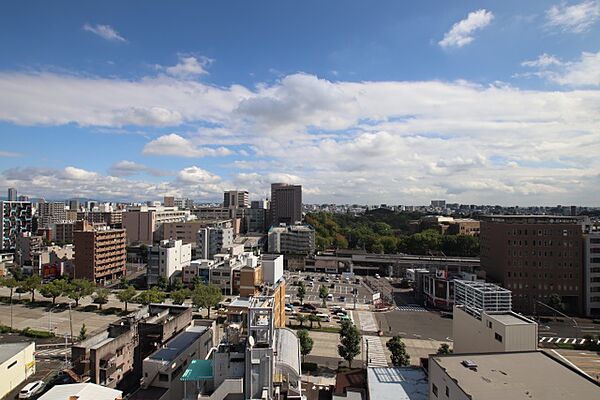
x=447 y=391
x=489 y=324
x=163 y=377
x=498 y=337
x=434 y=389
x=12 y=364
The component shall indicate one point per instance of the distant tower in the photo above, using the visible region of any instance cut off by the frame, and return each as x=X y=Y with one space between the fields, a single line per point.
x=286 y=203
x=12 y=194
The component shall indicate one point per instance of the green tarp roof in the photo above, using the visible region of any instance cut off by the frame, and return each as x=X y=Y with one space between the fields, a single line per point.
x=198 y=370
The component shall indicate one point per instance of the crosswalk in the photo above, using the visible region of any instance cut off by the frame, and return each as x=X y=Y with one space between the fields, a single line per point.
x=559 y=340
x=376 y=352
x=413 y=308
x=367 y=321
x=53 y=352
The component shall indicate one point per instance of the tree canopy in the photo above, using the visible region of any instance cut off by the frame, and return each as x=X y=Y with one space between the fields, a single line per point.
x=206 y=296
x=400 y=357
x=349 y=346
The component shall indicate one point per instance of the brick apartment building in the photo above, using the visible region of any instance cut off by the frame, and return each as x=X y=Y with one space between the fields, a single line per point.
x=100 y=253
x=535 y=256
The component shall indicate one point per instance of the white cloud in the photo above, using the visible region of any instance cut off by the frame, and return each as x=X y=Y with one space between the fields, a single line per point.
x=78 y=174
x=543 y=61
x=461 y=33
x=105 y=32
x=175 y=145
x=584 y=72
x=9 y=154
x=576 y=18
x=189 y=66
x=125 y=168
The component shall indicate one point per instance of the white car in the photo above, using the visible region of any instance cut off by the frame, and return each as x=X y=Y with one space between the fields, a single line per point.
x=31 y=389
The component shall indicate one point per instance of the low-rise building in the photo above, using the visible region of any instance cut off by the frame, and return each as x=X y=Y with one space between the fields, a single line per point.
x=17 y=363
x=187 y=231
x=292 y=239
x=512 y=375
x=143 y=223
x=81 y=391
x=591 y=274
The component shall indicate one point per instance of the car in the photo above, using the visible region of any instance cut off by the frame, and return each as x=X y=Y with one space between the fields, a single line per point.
x=31 y=389
x=323 y=317
x=308 y=307
x=342 y=298
x=330 y=297
x=377 y=276
x=357 y=281
x=344 y=318
x=332 y=286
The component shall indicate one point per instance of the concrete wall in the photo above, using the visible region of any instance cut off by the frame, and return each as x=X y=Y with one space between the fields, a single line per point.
x=439 y=379
x=16 y=369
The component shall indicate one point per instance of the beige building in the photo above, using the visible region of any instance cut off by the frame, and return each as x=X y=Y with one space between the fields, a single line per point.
x=144 y=224
x=187 y=231
x=100 y=253
x=502 y=376
x=17 y=363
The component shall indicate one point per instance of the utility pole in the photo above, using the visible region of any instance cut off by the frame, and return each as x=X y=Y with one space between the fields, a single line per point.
x=71 y=324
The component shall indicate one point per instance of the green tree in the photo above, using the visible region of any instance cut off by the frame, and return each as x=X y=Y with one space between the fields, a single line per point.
x=323 y=293
x=180 y=295
x=302 y=319
x=555 y=301
x=349 y=346
x=313 y=318
x=176 y=284
x=30 y=285
x=162 y=283
x=301 y=292
x=306 y=342
x=10 y=283
x=79 y=289
x=54 y=289
x=82 y=333
x=152 y=295
x=101 y=296
x=444 y=349
x=206 y=296
x=126 y=295
x=400 y=357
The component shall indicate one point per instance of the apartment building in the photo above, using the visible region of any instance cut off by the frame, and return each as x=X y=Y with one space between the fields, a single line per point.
x=113 y=219
x=51 y=212
x=213 y=240
x=187 y=231
x=292 y=239
x=64 y=231
x=16 y=217
x=592 y=272
x=167 y=259
x=26 y=246
x=143 y=223
x=286 y=203
x=236 y=199
x=100 y=253
x=535 y=256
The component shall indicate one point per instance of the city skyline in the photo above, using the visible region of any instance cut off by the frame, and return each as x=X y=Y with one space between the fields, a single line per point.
x=472 y=102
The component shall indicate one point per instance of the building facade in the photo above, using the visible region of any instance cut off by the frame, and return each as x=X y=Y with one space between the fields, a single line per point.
x=51 y=212
x=17 y=363
x=213 y=240
x=535 y=257
x=143 y=224
x=167 y=259
x=16 y=217
x=236 y=199
x=286 y=203
x=100 y=253
x=292 y=239
x=592 y=273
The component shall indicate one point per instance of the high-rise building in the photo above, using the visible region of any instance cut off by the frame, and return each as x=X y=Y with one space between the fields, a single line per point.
x=213 y=240
x=286 y=203
x=12 y=194
x=169 y=201
x=166 y=259
x=236 y=198
x=15 y=219
x=438 y=203
x=100 y=253
x=51 y=213
x=535 y=256
x=74 y=205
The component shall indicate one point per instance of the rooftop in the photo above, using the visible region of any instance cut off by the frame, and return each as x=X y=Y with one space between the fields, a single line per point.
x=81 y=391
x=174 y=347
x=9 y=350
x=391 y=383
x=511 y=318
x=502 y=376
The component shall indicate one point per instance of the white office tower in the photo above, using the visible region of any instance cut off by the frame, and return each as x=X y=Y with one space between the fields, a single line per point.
x=484 y=322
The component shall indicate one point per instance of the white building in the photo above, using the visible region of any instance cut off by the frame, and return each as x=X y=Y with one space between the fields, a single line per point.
x=167 y=259
x=213 y=240
x=592 y=273
x=483 y=321
x=272 y=268
x=82 y=391
x=292 y=239
x=17 y=363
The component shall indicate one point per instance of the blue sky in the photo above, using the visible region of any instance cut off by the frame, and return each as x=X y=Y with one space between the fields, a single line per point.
x=385 y=102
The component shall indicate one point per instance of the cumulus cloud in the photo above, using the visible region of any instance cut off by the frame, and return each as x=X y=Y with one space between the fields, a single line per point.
x=576 y=18
x=584 y=72
x=175 y=145
x=189 y=66
x=125 y=168
x=461 y=32
x=106 y=32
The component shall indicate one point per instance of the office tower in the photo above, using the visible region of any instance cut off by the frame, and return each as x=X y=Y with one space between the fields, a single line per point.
x=535 y=256
x=12 y=194
x=15 y=219
x=286 y=203
x=100 y=253
x=74 y=205
x=438 y=203
x=235 y=199
x=169 y=201
x=50 y=213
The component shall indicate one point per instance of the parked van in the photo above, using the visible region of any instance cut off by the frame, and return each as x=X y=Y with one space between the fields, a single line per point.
x=323 y=317
x=31 y=389
x=329 y=297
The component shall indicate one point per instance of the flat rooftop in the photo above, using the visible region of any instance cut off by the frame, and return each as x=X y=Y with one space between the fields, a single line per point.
x=174 y=347
x=518 y=375
x=392 y=383
x=510 y=318
x=9 y=350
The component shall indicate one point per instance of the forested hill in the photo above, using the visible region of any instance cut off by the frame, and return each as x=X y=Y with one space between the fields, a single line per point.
x=384 y=231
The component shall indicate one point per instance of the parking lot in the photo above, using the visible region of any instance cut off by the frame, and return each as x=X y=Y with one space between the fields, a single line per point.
x=341 y=290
